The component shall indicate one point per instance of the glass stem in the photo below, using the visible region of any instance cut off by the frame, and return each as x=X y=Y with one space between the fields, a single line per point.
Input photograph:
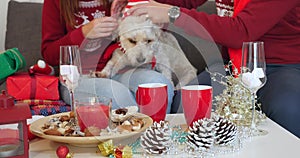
x=253 y=124
x=73 y=106
x=72 y=101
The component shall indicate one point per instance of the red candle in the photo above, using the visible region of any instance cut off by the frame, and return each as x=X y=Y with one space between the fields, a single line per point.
x=96 y=115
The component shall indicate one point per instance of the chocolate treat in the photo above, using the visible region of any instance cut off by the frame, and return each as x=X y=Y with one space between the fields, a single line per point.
x=121 y=111
x=121 y=128
x=64 y=118
x=72 y=115
x=65 y=125
x=122 y=114
x=53 y=132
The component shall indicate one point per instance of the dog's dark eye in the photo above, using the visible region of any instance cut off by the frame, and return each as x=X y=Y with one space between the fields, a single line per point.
x=149 y=41
x=132 y=41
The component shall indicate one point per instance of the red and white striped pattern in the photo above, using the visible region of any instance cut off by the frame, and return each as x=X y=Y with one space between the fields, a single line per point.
x=132 y=3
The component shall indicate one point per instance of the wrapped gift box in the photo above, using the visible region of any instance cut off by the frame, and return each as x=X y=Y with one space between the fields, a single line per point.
x=25 y=86
x=46 y=107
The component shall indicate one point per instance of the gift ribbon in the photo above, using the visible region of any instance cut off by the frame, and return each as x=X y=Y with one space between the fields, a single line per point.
x=32 y=87
x=108 y=149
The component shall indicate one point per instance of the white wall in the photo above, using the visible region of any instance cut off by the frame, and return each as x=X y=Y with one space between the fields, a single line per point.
x=3 y=13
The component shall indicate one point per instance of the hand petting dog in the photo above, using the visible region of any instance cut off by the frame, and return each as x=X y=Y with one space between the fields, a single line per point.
x=144 y=44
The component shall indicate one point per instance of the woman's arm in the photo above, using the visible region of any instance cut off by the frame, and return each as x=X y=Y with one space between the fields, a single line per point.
x=257 y=19
x=189 y=4
x=55 y=34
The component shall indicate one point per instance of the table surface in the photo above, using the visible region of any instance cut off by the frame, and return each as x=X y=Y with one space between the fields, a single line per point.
x=278 y=143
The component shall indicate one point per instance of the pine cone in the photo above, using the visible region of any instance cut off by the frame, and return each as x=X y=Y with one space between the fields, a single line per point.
x=156 y=139
x=201 y=134
x=225 y=131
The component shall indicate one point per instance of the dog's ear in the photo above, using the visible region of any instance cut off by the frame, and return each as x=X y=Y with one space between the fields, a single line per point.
x=115 y=36
x=169 y=39
x=116 y=33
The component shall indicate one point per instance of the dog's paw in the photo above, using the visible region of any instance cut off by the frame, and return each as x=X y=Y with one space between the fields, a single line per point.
x=92 y=74
x=99 y=74
x=102 y=74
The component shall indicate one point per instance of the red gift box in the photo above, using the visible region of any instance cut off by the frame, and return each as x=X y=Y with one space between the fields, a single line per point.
x=25 y=86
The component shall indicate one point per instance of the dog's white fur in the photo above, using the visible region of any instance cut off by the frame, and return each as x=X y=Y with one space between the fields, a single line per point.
x=142 y=40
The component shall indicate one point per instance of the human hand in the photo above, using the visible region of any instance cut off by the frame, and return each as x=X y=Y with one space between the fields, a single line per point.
x=100 y=27
x=117 y=7
x=157 y=12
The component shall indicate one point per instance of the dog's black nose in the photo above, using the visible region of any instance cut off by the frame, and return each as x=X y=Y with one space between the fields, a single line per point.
x=141 y=59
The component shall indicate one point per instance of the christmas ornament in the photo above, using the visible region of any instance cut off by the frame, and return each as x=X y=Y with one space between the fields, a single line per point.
x=118 y=152
x=225 y=131
x=202 y=134
x=63 y=152
x=41 y=68
x=156 y=139
x=123 y=152
x=106 y=148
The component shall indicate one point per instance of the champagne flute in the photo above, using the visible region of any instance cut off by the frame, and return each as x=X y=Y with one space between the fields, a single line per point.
x=70 y=69
x=253 y=75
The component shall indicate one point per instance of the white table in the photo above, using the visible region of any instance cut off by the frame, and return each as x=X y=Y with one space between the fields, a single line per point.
x=278 y=143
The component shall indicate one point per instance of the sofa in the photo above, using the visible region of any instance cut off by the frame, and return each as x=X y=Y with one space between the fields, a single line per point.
x=24 y=32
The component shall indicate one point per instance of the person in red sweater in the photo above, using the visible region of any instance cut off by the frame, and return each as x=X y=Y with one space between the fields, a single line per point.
x=275 y=22
x=90 y=25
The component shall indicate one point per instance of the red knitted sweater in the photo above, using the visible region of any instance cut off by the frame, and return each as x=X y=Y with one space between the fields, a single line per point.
x=56 y=33
x=275 y=22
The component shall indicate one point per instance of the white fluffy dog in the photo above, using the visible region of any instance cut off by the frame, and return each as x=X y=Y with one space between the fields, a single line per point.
x=143 y=43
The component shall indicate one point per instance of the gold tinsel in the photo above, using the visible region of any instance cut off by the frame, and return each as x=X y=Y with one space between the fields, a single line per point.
x=234 y=103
